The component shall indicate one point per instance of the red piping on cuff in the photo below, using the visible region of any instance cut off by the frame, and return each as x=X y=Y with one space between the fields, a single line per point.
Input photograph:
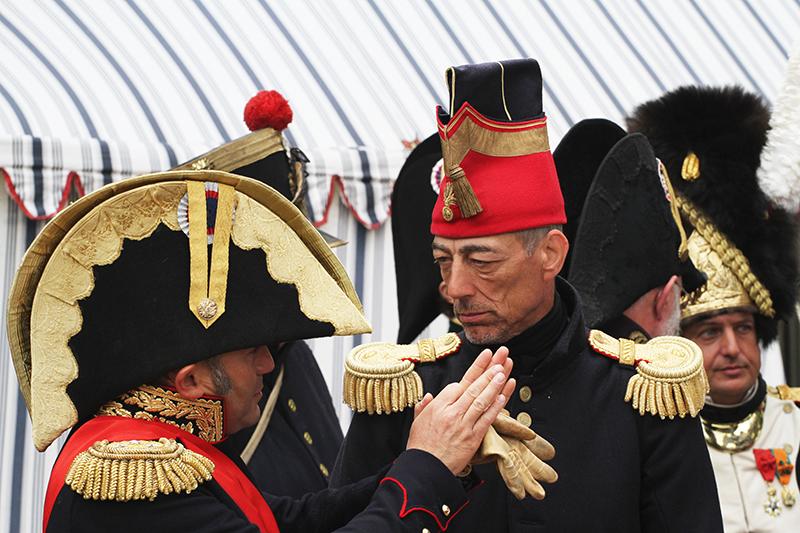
x=405 y=512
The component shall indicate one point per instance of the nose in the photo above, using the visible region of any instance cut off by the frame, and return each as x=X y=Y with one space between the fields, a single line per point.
x=728 y=343
x=263 y=361
x=459 y=282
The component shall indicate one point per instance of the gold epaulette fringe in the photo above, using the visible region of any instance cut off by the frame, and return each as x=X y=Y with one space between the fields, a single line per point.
x=379 y=377
x=137 y=469
x=670 y=379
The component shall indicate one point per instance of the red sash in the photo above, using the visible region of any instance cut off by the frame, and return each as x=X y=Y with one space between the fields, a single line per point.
x=115 y=428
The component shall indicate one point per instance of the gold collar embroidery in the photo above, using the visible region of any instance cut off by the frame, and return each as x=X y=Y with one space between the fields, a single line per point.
x=201 y=417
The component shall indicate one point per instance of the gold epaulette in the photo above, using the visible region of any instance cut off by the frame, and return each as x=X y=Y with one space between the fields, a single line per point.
x=379 y=377
x=137 y=469
x=785 y=392
x=669 y=380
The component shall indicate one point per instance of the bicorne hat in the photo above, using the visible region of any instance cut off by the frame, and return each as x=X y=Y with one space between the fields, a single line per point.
x=153 y=273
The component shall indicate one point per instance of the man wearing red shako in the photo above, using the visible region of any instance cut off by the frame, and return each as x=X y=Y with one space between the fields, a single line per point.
x=140 y=318
x=622 y=417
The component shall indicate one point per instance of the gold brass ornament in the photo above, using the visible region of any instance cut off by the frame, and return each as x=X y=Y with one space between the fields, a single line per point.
x=449 y=200
x=207 y=308
x=690 y=170
x=379 y=377
x=137 y=469
x=731 y=282
x=734 y=437
x=669 y=380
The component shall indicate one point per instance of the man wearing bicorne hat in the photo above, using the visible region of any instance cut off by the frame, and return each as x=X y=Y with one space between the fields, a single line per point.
x=629 y=450
x=140 y=318
x=629 y=260
x=711 y=139
x=297 y=413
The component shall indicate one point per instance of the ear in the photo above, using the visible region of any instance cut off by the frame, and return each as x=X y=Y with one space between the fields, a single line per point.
x=190 y=381
x=554 y=247
x=663 y=298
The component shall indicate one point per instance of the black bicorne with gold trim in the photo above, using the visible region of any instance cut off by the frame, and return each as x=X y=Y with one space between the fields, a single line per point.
x=630 y=237
x=153 y=273
x=710 y=140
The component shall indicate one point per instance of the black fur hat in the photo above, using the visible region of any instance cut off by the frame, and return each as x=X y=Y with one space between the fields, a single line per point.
x=710 y=141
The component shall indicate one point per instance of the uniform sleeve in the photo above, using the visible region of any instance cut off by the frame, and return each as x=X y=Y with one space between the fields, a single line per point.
x=679 y=491
x=207 y=509
x=372 y=442
x=417 y=492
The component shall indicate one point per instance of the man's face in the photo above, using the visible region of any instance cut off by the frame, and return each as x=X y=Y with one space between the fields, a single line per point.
x=731 y=354
x=498 y=291
x=243 y=370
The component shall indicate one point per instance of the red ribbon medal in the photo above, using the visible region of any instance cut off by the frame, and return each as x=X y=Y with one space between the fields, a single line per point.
x=766 y=463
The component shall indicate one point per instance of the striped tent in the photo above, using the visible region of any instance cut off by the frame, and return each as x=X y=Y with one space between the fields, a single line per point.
x=94 y=91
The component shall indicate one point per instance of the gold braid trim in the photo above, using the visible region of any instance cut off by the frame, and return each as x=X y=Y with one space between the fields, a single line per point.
x=379 y=377
x=669 y=380
x=730 y=255
x=137 y=469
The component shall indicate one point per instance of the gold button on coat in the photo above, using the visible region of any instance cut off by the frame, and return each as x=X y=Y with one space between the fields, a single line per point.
x=524 y=419
x=525 y=393
x=307 y=436
x=446 y=510
x=323 y=470
x=292 y=405
x=788 y=449
x=787 y=408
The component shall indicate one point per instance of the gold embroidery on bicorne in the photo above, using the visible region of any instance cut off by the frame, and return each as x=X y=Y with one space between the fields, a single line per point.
x=68 y=277
x=380 y=378
x=289 y=260
x=171 y=408
x=449 y=200
x=669 y=380
x=137 y=469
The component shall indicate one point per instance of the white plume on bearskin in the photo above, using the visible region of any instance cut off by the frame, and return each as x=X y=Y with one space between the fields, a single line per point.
x=779 y=174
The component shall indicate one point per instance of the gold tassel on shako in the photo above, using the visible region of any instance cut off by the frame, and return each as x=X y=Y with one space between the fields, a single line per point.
x=379 y=377
x=137 y=469
x=670 y=379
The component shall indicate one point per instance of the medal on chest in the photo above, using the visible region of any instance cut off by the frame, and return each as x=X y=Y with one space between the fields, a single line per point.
x=772 y=463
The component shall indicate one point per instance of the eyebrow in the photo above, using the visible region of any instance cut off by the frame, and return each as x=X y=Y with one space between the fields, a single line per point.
x=466 y=249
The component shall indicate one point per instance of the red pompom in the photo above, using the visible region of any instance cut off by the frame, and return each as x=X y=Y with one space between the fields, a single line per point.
x=267 y=109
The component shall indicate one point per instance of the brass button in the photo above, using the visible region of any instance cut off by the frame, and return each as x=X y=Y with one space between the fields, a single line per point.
x=323 y=470
x=207 y=308
x=307 y=436
x=787 y=408
x=525 y=393
x=446 y=510
x=524 y=419
x=788 y=449
x=292 y=405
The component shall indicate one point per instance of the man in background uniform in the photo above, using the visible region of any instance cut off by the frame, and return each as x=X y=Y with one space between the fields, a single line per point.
x=297 y=413
x=711 y=139
x=497 y=241
x=419 y=282
x=628 y=248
